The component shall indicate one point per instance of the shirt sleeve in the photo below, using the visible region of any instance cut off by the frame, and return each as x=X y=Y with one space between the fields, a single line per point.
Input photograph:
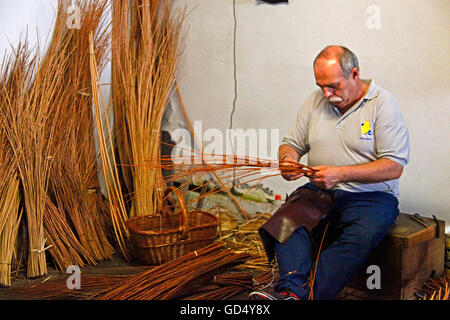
x=297 y=136
x=391 y=133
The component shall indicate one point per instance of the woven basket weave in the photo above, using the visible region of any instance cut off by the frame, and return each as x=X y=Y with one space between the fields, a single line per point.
x=157 y=239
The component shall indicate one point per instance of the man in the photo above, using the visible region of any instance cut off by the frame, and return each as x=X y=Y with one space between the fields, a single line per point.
x=357 y=144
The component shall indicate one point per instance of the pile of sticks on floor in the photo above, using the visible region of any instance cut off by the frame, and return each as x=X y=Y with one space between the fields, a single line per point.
x=242 y=236
x=202 y=274
x=175 y=278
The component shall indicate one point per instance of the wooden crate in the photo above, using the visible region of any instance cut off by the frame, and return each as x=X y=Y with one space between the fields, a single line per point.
x=407 y=256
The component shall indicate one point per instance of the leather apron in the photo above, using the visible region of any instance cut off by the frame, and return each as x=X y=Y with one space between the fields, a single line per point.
x=304 y=207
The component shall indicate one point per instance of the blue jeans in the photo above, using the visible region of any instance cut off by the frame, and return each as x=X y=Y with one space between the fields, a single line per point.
x=357 y=223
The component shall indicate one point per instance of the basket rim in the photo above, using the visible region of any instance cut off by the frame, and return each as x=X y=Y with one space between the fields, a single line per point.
x=179 y=243
x=172 y=230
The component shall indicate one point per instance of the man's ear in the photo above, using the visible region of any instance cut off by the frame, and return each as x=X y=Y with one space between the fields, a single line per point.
x=355 y=73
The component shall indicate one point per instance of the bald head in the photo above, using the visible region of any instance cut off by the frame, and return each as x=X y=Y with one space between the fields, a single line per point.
x=338 y=54
x=336 y=71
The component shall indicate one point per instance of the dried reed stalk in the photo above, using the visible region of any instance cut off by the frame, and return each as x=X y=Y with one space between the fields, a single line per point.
x=145 y=49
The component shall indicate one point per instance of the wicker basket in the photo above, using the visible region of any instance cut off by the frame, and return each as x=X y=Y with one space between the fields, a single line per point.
x=159 y=238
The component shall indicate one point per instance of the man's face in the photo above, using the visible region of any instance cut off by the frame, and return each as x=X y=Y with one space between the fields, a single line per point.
x=337 y=89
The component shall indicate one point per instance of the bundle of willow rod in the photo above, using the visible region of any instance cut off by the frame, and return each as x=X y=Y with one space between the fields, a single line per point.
x=43 y=122
x=174 y=278
x=49 y=127
x=73 y=181
x=11 y=216
x=9 y=187
x=116 y=201
x=224 y=163
x=65 y=248
x=437 y=289
x=146 y=39
x=28 y=117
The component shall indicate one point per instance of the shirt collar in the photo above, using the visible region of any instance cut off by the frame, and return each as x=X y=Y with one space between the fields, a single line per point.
x=373 y=91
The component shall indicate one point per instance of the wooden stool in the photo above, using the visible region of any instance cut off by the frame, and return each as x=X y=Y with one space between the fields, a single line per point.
x=407 y=256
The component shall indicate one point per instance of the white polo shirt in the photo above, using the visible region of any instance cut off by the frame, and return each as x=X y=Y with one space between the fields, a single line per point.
x=373 y=128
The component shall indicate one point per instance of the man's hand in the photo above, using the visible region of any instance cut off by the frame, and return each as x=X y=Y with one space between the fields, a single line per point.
x=286 y=169
x=372 y=172
x=326 y=177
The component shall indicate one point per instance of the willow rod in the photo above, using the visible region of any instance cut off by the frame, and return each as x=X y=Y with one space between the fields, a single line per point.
x=113 y=186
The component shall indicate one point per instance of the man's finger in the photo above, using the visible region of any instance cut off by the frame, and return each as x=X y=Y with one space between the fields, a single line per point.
x=312 y=174
x=291 y=177
x=316 y=179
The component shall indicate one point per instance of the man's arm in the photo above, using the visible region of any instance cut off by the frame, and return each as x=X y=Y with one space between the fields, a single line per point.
x=376 y=171
x=285 y=154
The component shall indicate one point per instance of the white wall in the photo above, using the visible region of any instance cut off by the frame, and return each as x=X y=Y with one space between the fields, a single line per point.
x=276 y=45
x=275 y=48
x=21 y=18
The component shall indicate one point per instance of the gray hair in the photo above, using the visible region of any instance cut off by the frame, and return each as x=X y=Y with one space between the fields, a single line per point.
x=347 y=59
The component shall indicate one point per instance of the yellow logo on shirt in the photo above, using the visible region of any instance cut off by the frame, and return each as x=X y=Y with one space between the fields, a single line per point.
x=366 y=132
x=365 y=127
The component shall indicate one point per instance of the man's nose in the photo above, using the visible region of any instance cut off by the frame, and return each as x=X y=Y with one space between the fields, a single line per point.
x=327 y=93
